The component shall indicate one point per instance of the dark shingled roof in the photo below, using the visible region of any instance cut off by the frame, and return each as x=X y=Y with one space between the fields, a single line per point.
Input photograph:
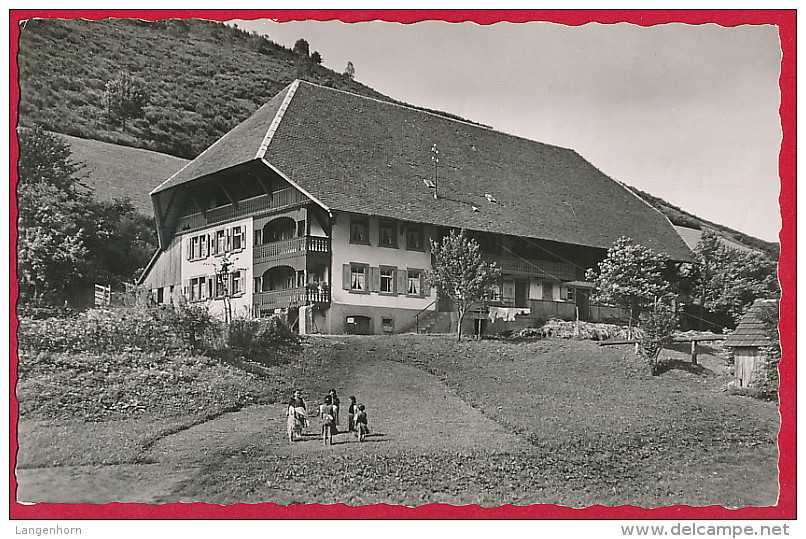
x=237 y=146
x=362 y=155
x=751 y=330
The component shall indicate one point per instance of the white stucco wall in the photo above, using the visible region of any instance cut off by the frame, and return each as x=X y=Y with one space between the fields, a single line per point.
x=241 y=259
x=345 y=252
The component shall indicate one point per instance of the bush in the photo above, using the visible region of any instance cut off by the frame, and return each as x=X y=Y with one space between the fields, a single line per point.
x=150 y=329
x=260 y=340
x=658 y=326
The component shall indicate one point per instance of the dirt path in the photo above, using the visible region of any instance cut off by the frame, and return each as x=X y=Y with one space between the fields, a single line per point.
x=407 y=409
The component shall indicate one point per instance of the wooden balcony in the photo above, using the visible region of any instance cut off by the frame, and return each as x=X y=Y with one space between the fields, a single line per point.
x=291 y=297
x=533 y=268
x=301 y=246
x=282 y=199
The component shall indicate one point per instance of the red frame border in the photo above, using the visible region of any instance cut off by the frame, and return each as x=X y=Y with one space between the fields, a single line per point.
x=786 y=22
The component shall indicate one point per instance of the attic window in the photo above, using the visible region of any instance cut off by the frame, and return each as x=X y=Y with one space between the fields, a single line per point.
x=491 y=199
x=429 y=183
x=359 y=230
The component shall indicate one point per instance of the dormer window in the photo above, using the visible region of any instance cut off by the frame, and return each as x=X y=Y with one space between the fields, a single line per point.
x=414 y=237
x=387 y=234
x=359 y=230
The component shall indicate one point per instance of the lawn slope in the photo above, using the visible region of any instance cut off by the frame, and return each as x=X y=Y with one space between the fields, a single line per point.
x=490 y=422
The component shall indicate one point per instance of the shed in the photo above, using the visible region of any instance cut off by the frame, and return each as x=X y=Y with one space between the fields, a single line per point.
x=746 y=341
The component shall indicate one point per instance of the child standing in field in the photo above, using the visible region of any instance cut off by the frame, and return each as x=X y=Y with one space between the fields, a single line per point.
x=351 y=410
x=336 y=409
x=328 y=414
x=361 y=423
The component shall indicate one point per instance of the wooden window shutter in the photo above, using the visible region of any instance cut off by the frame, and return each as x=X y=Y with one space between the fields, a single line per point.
x=205 y=240
x=345 y=276
x=402 y=281
x=190 y=249
x=423 y=283
x=374 y=279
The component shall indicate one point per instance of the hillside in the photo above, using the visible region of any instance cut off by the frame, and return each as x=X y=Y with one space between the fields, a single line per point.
x=690 y=228
x=115 y=171
x=203 y=78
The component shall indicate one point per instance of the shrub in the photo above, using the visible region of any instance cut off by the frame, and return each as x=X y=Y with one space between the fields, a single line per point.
x=658 y=326
x=151 y=329
x=260 y=339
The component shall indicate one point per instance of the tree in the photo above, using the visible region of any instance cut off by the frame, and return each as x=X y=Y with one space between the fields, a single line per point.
x=767 y=378
x=658 y=327
x=459 y=272
x=302 y=48
x=50 y=250
x=630 y=276
x=125 y=97
x=729 y=280
x=45 y=160
x=349 y=71
x=316 y=57
x=67 y=238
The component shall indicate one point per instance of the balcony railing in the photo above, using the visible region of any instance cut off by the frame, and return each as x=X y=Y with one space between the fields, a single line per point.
x=288 y=248
x=279 y=199
x=291 y=297
x=533 y=268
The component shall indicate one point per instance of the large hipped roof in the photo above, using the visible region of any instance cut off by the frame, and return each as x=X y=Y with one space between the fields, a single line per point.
x=367 y=156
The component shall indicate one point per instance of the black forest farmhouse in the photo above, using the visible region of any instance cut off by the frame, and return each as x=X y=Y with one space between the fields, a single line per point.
x=324 y=201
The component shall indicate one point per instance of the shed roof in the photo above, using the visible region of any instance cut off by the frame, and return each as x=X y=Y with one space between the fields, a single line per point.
x=367 y=156
x=751 y=331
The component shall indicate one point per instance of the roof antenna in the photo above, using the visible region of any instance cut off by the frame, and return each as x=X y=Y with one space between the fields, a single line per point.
x=435 y=159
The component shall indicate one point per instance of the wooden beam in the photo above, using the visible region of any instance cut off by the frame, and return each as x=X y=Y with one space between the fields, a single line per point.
x=229 y=196
x=675 y=340
x=195 y=202
x=325 y=225
x=693 y=352
x=263 y=184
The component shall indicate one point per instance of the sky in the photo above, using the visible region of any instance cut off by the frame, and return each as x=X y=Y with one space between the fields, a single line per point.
x=687 y=113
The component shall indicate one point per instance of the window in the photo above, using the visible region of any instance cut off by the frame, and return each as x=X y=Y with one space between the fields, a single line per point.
x=568 y=294
x=358 y=278
x=414 y=237
x=218 y=242
x=359 y=231
x=387 y=234
x=237 y=238
x=388 y=324
x=160 y=295
x=387 y=280
x=198 y=288
x=197 y=247
x=414 y=285
x=221 y=286
x=236 y=283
